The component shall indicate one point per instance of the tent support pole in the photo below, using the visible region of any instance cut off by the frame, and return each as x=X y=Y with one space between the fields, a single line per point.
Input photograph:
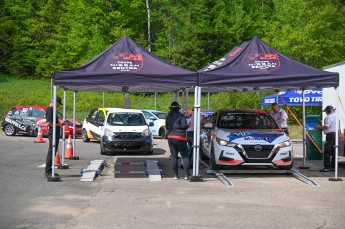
x=336 y=178
x=63 y=165
x=304 y=134
x=103 y=99
x=196 y=138
x=54 y=178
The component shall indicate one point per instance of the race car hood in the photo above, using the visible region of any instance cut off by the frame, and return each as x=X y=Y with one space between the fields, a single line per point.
x=127 y=128
x=253 y=136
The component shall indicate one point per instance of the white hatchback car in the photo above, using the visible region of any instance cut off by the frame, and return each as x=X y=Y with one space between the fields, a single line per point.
x=158 y=118
x=238 y=139
x=126 y=130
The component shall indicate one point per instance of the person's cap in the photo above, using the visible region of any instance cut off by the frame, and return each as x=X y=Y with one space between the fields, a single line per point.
x=328 y=108
x=58 y=100
x=175 y=105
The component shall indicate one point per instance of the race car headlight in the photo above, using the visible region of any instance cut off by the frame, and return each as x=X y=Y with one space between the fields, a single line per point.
x=108 y=132
x=225 y=143
x=146 y=133
x=284 y=144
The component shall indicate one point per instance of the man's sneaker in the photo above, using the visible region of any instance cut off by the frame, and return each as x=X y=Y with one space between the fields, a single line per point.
x=186 y=177
x=332 y=169
x=175 y=177
x=325 y=170
x=46 y=175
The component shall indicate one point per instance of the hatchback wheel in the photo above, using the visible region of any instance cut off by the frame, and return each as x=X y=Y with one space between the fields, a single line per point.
x=84 y=136
x=10 y=130
x=213 y=164
x=163 y=132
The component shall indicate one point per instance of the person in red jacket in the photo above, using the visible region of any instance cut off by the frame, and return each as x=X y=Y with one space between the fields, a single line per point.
x=176 y=125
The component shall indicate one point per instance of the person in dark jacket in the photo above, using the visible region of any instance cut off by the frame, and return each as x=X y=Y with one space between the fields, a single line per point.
x=49 y=119
x=176 y=125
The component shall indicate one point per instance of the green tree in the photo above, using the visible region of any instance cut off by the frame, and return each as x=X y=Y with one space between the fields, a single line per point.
x=311 y=32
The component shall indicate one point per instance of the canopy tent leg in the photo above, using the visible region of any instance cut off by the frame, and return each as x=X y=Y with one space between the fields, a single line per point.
x=74 y=108
x=196 y=139
x=336 y=178
x=304 y=133
x=54 y=178
x=63 y=165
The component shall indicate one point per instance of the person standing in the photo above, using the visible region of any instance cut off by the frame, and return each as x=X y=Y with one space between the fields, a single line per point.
x=49 y=120
x=329 y=128
x=176 y=125
x=280 y=116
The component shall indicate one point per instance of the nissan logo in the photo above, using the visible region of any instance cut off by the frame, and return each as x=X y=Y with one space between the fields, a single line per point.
x=258 y=147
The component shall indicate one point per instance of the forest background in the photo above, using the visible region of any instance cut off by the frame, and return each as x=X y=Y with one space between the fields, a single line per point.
x=40 y=36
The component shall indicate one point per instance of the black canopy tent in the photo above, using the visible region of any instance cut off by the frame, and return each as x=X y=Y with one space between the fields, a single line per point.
x=126 y=66
x=255 y=66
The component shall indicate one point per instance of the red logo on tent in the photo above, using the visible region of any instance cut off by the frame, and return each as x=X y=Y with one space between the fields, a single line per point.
x=264 y=61
x=125 y=62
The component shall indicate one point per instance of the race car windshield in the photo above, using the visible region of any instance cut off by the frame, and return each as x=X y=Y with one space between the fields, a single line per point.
x=246 y=121
x=126 y=119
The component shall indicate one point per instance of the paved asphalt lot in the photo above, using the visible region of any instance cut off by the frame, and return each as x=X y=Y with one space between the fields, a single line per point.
x=27 y=200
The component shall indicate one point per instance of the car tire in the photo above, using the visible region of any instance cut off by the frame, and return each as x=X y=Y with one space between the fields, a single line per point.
x=163 y=132
x=103 y=152
x=213 y=164
x=10 y=130
x=150 y=152
x=203 y=156
x=84 y=136
x=288 y=167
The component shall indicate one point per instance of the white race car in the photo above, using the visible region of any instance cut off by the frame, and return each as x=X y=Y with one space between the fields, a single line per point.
x=242 y=139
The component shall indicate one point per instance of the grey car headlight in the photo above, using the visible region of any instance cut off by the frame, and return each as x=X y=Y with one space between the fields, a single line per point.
x=284 y=144
x=225 y=143
x=146 y=133
x=108 y=132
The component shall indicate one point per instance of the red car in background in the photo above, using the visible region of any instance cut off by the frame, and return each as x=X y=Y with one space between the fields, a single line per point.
x=26 y=119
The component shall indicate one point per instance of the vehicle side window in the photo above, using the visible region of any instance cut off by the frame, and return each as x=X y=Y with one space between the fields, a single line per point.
x=146 y=114
x=38 y=113
x=22 y=112
x=93 y=115
x=101 y=116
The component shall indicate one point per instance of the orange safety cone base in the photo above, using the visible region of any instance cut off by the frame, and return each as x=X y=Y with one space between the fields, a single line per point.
x=69 y=148
x=57 y=159
x=39 y=138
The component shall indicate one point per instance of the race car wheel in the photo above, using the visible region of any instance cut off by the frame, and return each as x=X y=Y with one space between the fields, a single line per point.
x=10 y=130
x=203 y=156
x=288 y=167
x=102 y=149
x=213 y=164
x=84 y=136
x=150 y=152
x=163 y=132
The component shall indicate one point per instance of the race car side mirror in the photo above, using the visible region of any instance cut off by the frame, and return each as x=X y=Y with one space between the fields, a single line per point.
x=10 y=113
x=151 y=124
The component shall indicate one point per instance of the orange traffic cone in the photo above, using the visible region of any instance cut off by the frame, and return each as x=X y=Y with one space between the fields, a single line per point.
x=69 y=148
x=39 y=136
x=57 y=158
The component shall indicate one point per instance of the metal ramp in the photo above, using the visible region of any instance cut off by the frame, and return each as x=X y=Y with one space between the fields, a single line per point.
x=225 y=180
x=303 y=178
x=152 y=169
x=94 y=169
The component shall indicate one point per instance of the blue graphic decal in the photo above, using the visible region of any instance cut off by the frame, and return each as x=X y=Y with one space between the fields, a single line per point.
x=255 y=137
